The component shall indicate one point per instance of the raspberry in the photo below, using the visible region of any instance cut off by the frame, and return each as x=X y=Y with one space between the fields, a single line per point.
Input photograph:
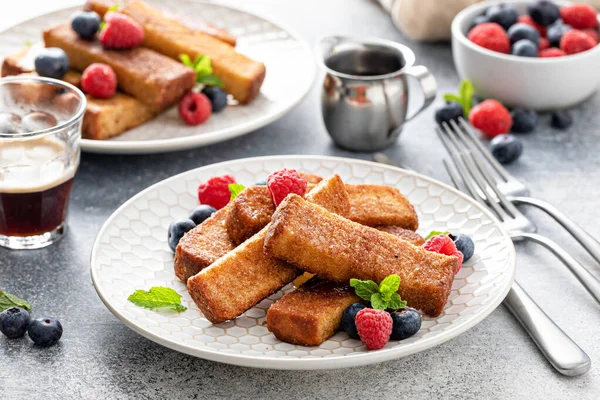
x=579 y=16
x=99 y=80
x=526 y=19
x=551 y=52
x=576 y=41
x=544 y=44
x=374 y=327
x=443 y=244
x=283 y=182
x=491 y=36
x=121 y=32
x=491 y=117
x=215 y=192
x=195 y=108
x=593 y=33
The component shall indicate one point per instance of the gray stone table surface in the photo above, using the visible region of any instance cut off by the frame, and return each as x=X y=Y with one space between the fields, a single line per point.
x=99 y=357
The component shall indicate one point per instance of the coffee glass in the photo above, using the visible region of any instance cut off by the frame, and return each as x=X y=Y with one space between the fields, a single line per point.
x=40 y=132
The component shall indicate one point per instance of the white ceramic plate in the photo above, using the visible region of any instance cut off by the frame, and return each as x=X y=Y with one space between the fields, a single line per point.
x=131 y=252
x=290 y=74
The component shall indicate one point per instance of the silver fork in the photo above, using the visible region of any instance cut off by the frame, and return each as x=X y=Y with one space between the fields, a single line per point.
x=516 y=191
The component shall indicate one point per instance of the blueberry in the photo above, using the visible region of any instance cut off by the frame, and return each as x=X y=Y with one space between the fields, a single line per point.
x=543 y=12
x=14 y=322
x=45 y=331
x=407 y=322
x=464 y=244
x=85 y=23
x=503 y=15
x=524 y=48
x=556 y=32
x=217 y=97
x=37 y=121
x=262 y=182
x=506 y=148
x=450 y=112
x=10 y=123
x=523 y=120
x=480 y=19
x=201 y=213
x=349 y=317
x=52 y=62
x=561 y=119
x=176 y=231
x=523 y=31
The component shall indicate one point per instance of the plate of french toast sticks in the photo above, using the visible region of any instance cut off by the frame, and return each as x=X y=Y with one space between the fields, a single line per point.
x=265 y=280
x=255 y=70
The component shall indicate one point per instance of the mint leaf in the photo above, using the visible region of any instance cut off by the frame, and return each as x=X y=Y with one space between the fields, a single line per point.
x=186 y=60
x=364 y=289
x=210 y=80
x=396 y=302
x=157 y=297
x=435 y=233
x=466 y=95
x=203 y=68
x=235 y=189
x=202 y=65
x=102 y=25
x=377 y=302
x=452 y=98
x=8 y=300
x=389 y=285
x=114 y=7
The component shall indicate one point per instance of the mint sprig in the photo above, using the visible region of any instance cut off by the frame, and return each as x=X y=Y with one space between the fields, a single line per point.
x=8 y=300
x=464 y=97
x=203 y=68
x=158 y=297
x=235 y=189
x=383 y=296
x=435 y=233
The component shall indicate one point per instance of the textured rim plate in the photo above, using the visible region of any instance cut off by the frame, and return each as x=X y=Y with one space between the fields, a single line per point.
x=131 y=253
x=290 y=75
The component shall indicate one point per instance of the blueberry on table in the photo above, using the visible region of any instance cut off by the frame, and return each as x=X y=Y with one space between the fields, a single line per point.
x=217 y=97
x=543 y=12
x=524 y=48
x=201 y=213
x=556 y=32
x=10 y=123
x=561 y=119
x=176 y=231
x=406 y=322
x=85 y=23
x=503 y=15
x=524 y=121
x=45 y=331
x=450 y=112
x=52 y=62
x=464 y=244
x=523 y=31
x=349 y=318
x=506 y=148
x=14 y=322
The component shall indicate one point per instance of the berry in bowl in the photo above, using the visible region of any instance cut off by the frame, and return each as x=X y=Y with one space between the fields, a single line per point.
x=538 y=55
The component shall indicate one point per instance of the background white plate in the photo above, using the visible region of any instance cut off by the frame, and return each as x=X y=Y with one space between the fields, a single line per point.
x=131 y=252
x=290 y=73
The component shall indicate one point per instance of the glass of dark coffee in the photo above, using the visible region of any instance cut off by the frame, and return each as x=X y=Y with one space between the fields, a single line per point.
x=40 y=131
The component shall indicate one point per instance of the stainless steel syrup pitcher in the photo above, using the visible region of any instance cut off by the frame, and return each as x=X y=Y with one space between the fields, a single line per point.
x=365 y=94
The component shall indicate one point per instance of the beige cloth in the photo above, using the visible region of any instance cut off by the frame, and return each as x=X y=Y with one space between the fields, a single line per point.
x=429 y=20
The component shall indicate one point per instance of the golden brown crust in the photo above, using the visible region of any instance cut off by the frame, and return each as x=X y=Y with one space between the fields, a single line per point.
x=338 y=249
x=405 y=234
x=311 y=178
x=251 y=211
x=332 y=193
x=374 y=205
x=150 y=77
x=311 y=314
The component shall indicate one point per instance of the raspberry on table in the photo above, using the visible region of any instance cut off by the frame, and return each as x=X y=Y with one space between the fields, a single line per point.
x=99 y=80
x=374 y=327
x=443 y=244
x=579 y=16
x=283 y=182
x=215 y=192
x=551 y=52
x=491 y=118
x=526 y=19
x=490 y=36
x=576 y=41
x=121 y=32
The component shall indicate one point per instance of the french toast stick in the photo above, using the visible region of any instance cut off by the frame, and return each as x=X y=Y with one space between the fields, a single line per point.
x=374 y=205
x=150 y=77
x=311 y=314
x=404 y=234
x=243 y=277
x=242 y=77
x=23 y=63
x=203 y=245
x=337 y=249
x=101 y=7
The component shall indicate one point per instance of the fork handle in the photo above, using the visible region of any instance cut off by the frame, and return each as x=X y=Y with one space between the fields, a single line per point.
x=588 y=280
x=584 y=238
x=558 y=348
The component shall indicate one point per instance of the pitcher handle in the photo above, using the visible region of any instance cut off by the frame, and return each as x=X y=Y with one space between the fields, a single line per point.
x=428 y=86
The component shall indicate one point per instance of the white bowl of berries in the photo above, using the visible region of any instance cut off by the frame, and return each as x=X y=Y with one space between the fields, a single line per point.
x=541 y=55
